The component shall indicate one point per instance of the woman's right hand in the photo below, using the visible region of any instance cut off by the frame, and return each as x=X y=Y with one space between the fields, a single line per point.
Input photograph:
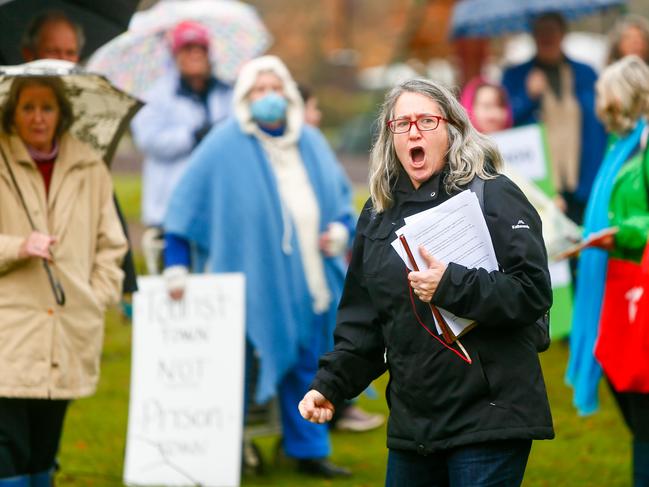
x=176 y=280
x=38 y=245
x=316 y=408
x=536 y=83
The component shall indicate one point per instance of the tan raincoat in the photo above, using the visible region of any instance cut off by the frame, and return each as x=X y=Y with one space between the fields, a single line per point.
x=46 y=350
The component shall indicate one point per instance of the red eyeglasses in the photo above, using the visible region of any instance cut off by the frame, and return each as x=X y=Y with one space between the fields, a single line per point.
x=423 y=123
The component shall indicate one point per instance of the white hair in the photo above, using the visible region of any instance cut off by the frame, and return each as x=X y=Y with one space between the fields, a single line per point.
x=623 y=94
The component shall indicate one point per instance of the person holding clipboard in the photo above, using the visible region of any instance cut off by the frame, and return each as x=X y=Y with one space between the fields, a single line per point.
x=453 y=421
x=606 y=334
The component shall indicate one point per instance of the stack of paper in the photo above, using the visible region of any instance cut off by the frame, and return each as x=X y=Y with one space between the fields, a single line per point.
x=454 y=231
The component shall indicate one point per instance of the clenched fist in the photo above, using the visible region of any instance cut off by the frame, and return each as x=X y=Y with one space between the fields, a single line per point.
x=316 y=408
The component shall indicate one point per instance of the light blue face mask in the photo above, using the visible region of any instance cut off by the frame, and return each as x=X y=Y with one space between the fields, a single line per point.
x=271 y=108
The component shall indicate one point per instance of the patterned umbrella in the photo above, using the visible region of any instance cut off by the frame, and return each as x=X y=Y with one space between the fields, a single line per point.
x=135 y=59
x=101 y=111
x=491 y=18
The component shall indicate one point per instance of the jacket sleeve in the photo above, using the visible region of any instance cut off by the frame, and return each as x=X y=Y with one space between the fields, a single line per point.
x=523 y=107
x=9 y=247
x=357 y=358
x=160 y=133
x=520 y=292
x=633 y=231
x=106 y=275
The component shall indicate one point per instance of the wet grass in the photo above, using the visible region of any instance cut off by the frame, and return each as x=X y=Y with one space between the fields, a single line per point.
x=592 y=451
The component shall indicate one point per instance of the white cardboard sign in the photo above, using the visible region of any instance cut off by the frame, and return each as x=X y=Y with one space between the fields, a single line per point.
x=186 y=405
x=523 y=149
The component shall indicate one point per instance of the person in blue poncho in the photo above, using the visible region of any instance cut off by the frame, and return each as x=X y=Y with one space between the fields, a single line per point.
x=264 y=195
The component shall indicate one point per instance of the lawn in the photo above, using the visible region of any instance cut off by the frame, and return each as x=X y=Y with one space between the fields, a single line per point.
x=591 y=451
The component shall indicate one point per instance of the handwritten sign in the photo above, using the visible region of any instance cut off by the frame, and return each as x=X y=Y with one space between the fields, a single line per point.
x=186 y=406
x=523 y=148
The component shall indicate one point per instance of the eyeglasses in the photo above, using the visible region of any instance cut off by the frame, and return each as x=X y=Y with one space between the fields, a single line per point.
x=425 y=123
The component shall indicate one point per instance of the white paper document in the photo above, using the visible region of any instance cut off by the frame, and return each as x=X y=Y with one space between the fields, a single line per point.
x=454 y=231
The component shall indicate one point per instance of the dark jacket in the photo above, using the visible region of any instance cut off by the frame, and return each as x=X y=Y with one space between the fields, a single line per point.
x=437 y=401
x=593 y=135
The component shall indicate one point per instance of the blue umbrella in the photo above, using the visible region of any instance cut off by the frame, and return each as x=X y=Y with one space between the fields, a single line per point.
x=491 y=18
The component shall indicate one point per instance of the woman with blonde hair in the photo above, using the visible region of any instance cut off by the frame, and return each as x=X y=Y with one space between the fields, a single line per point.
x=453 y=421
x=620 y=201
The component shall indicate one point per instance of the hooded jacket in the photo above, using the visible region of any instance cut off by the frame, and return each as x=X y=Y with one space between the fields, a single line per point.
x=46 y=350
x=165 y=131
x=438 y=401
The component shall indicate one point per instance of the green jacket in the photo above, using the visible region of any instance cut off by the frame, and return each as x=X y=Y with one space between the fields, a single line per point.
x=629 y=208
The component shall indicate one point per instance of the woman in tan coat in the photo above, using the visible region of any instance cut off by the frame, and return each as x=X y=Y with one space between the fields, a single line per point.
x=55 y=207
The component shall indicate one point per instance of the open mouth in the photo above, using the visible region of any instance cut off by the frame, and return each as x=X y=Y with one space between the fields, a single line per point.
x=417 y=155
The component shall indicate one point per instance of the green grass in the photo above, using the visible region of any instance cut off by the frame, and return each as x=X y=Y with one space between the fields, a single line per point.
x=591 y=451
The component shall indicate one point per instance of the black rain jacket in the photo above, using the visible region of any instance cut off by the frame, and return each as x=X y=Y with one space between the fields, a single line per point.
x=437 y=401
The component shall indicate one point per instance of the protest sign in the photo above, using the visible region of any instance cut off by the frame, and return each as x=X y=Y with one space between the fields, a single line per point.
x=186 y=404
x=523 y=149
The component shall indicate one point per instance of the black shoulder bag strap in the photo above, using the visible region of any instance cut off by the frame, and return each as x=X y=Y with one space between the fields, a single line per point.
x=543 y=323
x=57 y=289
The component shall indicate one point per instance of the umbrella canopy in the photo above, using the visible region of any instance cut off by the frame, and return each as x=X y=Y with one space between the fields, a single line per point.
x=101 y=20
x=237 y=35
x=491 y=18
x=101 y=111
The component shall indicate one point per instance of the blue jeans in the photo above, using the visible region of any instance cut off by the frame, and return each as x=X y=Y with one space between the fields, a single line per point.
x=491 y=464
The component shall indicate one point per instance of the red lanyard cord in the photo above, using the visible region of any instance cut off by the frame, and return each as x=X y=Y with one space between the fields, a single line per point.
x=464 y=356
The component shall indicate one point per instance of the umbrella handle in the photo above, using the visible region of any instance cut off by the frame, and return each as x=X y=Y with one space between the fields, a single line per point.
x=57 y=288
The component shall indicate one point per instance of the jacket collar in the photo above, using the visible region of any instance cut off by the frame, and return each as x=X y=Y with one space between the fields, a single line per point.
x=184 y=88
x=428 y=191
x=72 y=155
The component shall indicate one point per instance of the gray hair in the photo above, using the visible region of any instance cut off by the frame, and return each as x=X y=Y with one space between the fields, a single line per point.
x=469 y=154
x=623 y=94
x=615 y=36
x=32 y=33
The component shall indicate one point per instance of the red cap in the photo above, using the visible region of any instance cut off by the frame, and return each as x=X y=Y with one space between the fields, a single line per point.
x=188 y=32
